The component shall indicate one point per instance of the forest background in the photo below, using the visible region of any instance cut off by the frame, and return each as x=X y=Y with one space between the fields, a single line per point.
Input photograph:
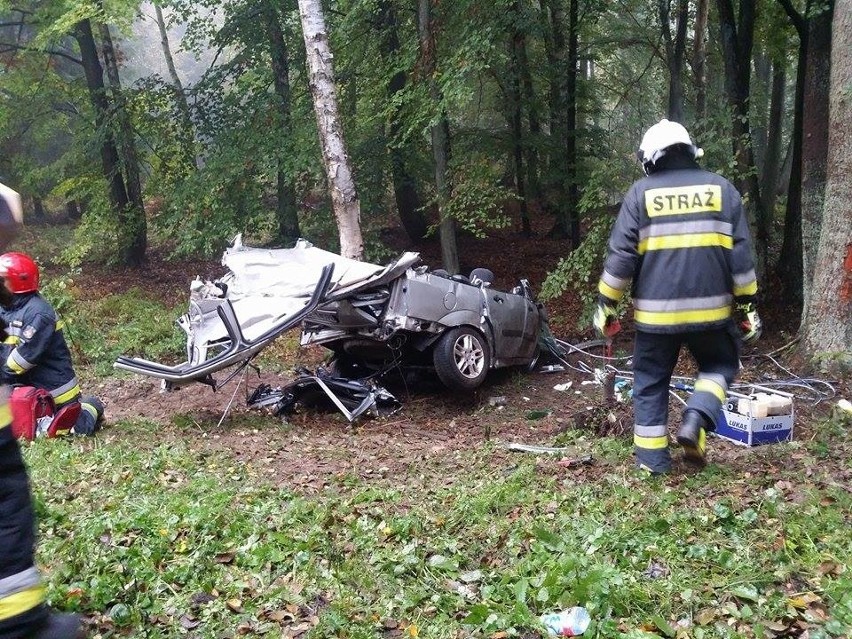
x=144 y=136
x=178 y=124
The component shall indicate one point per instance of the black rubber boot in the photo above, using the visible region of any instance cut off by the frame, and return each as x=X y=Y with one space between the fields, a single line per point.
x=60 y=626
x=693 y=437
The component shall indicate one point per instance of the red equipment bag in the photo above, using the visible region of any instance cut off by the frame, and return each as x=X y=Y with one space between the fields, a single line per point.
x=28 y=405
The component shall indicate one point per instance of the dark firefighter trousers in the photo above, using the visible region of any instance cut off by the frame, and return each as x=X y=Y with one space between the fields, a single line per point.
x=21 y=593
x=655 y=355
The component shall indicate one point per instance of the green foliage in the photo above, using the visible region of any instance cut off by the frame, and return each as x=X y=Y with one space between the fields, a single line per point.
x=188 y=539
x=581 y=269
x=478 y=201
x=99 y=330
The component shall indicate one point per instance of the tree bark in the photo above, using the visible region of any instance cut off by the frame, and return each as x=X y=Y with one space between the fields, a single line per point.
x=760 y=108
x=828 y=318
x=516 y=120
x=699 y=59
x=675 y=53
x=533 y=185
x=97 y=94
x=287 y=212
x=737 y=36
x=134 y=225
x=344 y=197
x=188 y=137
x=440 y=133
x=789 y=264
x=404 y=183
x=573 y=190
x=815 y=139
x=555 y=52
x=770 y=175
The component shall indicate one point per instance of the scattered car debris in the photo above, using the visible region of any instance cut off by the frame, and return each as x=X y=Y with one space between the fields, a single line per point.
x=321 y=391
x=567 y=623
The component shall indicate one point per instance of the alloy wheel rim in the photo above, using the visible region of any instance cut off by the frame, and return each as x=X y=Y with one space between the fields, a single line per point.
x=469 y=356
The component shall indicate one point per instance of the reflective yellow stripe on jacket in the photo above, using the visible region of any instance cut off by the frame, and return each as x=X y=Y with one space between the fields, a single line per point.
x=20 y=602
x=691 y=310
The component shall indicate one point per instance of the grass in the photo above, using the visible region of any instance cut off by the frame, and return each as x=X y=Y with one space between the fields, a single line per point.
x=158 y=540
x=150 y=535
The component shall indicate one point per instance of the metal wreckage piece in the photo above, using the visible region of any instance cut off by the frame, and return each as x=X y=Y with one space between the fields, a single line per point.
x=352 y=397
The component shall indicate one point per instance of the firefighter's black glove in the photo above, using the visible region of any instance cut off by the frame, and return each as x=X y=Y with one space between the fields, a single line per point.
x=749 y=322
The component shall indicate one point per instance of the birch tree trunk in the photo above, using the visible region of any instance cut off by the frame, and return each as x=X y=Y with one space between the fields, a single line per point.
x=828 y=320
x=344 y=197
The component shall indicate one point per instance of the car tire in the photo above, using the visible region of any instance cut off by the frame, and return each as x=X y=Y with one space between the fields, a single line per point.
x=342 y=365
x=462 y=358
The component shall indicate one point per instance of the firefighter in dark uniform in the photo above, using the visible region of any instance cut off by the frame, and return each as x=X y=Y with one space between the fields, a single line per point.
x=23 y=612
x=682 y=239
x=35 y=352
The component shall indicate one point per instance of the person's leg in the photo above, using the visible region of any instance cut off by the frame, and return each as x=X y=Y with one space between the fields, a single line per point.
x=90 y=417
x=23 y=613
x=21 y=594
x=717 y=354
x=654 y=358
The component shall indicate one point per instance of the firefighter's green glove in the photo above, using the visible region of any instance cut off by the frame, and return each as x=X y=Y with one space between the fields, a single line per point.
x=606 y=320
x=749 y=322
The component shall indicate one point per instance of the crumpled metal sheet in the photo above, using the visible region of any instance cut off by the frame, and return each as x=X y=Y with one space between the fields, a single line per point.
x=321 y=391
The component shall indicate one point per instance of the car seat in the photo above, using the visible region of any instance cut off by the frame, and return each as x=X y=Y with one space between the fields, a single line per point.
x=481 y=277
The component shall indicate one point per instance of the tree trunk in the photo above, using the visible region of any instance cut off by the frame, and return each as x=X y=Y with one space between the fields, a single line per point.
x=97 y=94
x=287 y=211
x=699 y=58
x=573 y=192
x=789 y=265
x=440 y=133
x=72 y=211
x=675 y=52
x=188 y=137
x=404 y=183
x=344 y=197
x=39 y=214
x=134 y=225
x=760 y=108
x=516 y=120
x=737 y=36
x=770 y=175
x=828 y=318
x=558 y=123
x=533 y=186
x=815 y=140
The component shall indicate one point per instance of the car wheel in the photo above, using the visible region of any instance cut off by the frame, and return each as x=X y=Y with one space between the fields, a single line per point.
x=462 y=358
x=341 y=365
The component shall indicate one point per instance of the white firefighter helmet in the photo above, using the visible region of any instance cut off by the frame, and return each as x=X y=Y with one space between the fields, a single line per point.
x=662 y=136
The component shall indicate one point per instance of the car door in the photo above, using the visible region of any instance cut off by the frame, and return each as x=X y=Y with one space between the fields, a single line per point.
x=511 y=317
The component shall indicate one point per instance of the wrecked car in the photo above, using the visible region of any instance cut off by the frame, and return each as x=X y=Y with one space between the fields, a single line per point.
x=373 y=319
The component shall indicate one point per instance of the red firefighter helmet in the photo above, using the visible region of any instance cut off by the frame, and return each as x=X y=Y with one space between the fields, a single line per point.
x=20 y=272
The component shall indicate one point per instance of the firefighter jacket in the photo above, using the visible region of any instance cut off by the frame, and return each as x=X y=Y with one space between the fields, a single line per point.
x=682 y=239
x=35 y=352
